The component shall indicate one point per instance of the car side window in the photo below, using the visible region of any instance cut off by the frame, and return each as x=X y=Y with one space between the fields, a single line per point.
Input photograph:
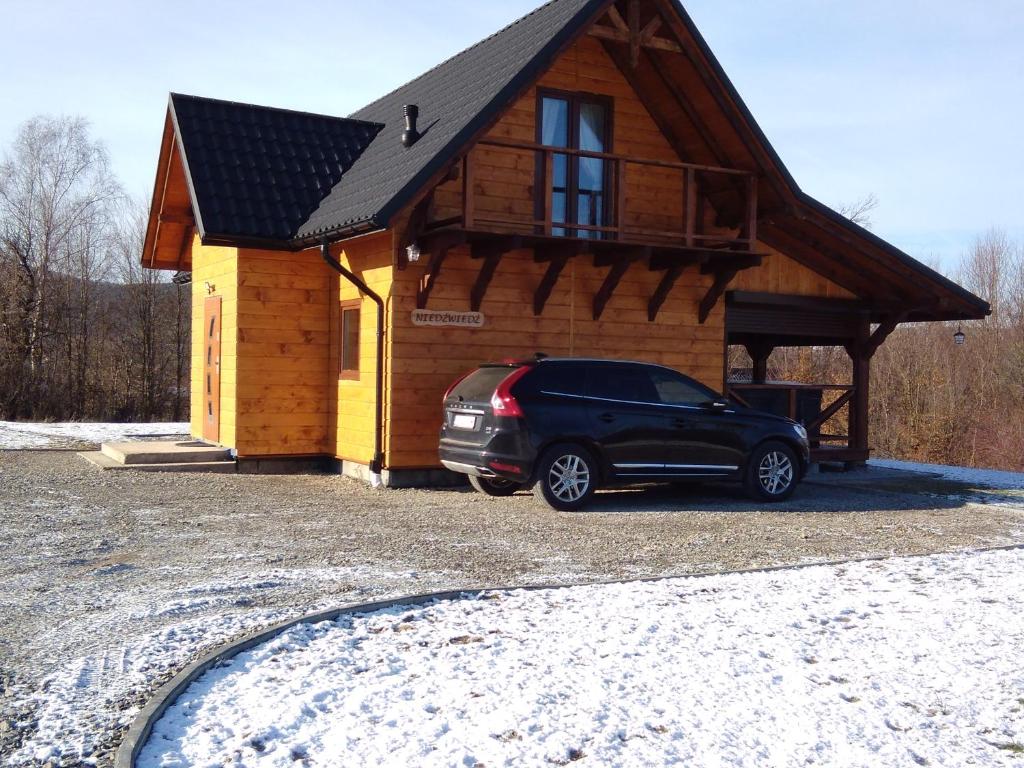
x=555 y=379
x=621 y=382
x=676 y=389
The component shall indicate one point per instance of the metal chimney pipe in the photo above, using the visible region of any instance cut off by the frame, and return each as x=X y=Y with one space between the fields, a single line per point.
x=411 y=134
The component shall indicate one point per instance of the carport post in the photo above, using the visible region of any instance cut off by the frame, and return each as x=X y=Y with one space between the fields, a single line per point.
x=860 y=404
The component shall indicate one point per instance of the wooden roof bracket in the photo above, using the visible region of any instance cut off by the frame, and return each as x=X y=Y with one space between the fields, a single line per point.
x=556 y=255
x=722 y=280
x=611 y=282
x=673 y=271
x=491 y=253
x=882 y=332
x=619 y=266
x=438 y=248
x=724 y=271
x=414 y=227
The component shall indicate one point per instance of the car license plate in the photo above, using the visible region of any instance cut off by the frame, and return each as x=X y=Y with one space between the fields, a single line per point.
x=463 y=421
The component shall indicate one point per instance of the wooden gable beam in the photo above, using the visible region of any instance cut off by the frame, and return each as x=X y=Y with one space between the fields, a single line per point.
x=633 y=12
x=629 y=32
x=717 y=91
x=721 y=156
x=186 y=248
x=616 y=19
x=824 y=262
x=878 y=259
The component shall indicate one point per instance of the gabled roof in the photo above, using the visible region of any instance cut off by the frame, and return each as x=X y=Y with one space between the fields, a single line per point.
x=286 y=179
x=456 y=99
x=258 y=172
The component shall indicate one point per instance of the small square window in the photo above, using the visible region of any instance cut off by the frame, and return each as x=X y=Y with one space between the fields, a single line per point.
x=350 y=340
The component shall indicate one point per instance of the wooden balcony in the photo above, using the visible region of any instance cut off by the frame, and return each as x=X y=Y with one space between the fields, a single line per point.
x=651 y=211
x=623 y=175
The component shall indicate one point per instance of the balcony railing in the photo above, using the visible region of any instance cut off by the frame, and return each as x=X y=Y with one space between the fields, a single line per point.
x=620 y=180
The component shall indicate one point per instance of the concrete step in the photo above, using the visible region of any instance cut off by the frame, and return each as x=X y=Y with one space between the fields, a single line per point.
x=105 y=462
x=165 y=452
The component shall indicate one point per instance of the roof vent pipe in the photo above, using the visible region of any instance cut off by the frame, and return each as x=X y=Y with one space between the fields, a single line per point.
x=411 y=134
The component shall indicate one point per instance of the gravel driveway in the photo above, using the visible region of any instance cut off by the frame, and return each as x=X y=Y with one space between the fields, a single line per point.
x=110 y=582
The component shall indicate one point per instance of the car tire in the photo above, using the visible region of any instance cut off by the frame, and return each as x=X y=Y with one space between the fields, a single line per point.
x=494 y=486
x=773 y=472
x=567 y=477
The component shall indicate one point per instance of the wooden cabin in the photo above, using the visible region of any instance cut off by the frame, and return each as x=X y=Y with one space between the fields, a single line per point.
x=585 y=182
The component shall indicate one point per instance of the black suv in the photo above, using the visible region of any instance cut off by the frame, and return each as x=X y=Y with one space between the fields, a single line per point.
x=568 y=426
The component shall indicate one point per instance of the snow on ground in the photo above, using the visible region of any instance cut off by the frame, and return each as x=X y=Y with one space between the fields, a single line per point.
x=15 y=435
x=901 y=662
x=984 y=478
x=150 y=632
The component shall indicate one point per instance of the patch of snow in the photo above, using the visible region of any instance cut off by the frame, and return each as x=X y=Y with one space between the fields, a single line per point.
x=901 y=662
x=15 y=435
x=149 y=632
x=984 y=478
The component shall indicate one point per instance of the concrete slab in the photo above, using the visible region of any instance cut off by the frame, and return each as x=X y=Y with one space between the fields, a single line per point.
x=104 y=462
x=165 y=452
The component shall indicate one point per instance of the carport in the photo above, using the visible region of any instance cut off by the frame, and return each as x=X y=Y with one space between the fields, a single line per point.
x=762 y=322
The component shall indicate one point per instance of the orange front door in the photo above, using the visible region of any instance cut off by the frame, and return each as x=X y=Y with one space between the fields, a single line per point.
x=211 y=369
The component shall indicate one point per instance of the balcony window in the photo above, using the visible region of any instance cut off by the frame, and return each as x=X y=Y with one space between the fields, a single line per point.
x=578 y=184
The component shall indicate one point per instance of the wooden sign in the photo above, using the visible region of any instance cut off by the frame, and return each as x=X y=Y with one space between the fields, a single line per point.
x=446 y=319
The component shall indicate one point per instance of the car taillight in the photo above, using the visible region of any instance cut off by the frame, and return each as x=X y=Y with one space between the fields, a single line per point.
x=453 y=386
x=502 y=401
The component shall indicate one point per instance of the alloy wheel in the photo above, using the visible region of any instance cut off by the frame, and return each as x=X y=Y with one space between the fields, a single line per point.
x=775 y=472
x=569 y=478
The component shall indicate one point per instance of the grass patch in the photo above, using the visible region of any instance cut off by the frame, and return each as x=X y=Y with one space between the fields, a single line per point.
x=1012 y=747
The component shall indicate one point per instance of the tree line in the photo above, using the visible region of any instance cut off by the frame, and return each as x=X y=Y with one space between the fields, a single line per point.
x=933 y=400
x=85 y=332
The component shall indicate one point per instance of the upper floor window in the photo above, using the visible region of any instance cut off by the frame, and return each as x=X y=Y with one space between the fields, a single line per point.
x=579 y=184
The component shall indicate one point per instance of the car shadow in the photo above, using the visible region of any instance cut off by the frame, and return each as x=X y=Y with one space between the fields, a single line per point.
x=830 y=498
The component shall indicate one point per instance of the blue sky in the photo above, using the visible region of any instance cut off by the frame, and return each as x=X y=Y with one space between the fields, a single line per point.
x=920 y=103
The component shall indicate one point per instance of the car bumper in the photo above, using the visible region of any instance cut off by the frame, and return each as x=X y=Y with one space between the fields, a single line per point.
x=485 y=464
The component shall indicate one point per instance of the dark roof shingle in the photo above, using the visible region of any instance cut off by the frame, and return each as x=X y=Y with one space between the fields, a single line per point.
x=258 y=172
x=455 y=98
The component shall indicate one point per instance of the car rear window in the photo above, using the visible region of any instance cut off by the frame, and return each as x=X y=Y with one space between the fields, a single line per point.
x=481 y=383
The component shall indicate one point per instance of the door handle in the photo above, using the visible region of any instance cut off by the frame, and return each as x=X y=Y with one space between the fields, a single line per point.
x=680 y=423
x=607 y=418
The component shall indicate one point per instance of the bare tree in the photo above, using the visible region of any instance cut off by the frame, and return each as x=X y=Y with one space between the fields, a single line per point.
x=55 y=188
x=859 y=211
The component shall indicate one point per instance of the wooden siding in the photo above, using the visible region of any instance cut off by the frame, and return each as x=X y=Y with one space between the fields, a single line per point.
x=284 y=342
x=425 y=361
x=780 y=274
x=505 y=177
x=352 y=400
x=217 y=267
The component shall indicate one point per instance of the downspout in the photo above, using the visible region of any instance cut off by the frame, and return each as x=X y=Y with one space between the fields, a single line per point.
x=378 y=419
